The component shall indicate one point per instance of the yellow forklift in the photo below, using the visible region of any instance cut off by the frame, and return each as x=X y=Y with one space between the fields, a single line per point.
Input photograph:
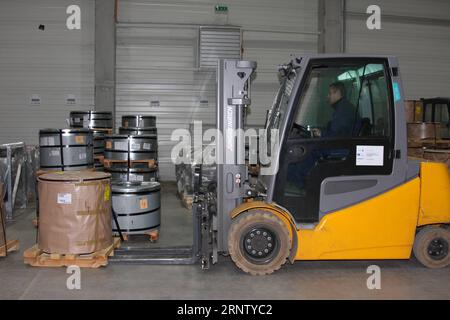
x=339 y=186
x=344 y=188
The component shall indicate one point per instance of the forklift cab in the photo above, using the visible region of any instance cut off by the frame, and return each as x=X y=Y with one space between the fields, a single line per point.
x=339 y=140
x=438 y=110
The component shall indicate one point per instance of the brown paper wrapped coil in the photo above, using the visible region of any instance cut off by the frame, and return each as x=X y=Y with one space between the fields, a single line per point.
x=74 y=212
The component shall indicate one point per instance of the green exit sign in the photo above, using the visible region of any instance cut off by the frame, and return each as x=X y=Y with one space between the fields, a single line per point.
x=221 y=8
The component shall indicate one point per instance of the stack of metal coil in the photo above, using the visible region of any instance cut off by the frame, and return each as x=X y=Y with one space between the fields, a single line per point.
x=101 y=124
x=131 y=159
x=132 y=154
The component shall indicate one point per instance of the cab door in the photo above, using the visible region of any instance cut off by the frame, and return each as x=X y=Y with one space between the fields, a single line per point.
x=323 y=167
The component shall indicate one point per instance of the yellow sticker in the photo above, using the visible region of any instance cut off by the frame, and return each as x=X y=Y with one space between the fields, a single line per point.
x=79 y=139
x=107 y=194
x=143 y=203
x=108 y=144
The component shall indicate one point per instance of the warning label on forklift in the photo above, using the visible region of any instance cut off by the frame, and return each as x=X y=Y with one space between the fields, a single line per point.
x=369 y=155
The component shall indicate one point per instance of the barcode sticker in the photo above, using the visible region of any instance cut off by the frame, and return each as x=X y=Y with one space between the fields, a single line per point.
x=54 y=153
x=47 y=141
x=64 y=198
x=118 y=145
x=76 y=120
x=82 y=156
x=137 y=178
x=135 y=146
x=143 y=203
x=147 y=146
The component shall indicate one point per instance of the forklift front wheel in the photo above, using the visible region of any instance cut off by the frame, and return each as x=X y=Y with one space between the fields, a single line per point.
x=431 y=247
x=259 y=242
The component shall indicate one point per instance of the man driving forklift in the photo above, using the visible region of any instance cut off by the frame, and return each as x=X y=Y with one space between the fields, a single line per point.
x=345 y=122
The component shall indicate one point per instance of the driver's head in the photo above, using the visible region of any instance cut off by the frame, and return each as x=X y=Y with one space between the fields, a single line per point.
x=336 y=91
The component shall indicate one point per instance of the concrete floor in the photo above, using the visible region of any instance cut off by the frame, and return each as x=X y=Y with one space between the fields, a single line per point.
x=302 y=280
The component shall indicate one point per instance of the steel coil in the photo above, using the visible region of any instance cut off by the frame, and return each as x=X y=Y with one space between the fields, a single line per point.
x=66 y=149
x=91 y=119
x=138 y=121
x=129 y=147
x=137 y=206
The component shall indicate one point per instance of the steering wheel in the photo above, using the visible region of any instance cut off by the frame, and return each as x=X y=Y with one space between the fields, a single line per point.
x=300 y=131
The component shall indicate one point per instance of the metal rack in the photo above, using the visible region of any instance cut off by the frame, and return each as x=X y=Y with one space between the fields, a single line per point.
x=12 y=187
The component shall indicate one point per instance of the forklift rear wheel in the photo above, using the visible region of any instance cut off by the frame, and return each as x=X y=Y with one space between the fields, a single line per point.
x=431 y=247
x=259 y=242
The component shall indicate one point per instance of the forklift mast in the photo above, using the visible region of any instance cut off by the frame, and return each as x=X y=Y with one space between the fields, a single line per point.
x=214 y=206
x=233 y=85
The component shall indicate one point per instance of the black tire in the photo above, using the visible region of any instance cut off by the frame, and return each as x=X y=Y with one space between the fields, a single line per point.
x=432 y=247
x=259 y=242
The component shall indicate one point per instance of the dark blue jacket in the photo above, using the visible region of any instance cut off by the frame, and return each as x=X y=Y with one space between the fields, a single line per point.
x=343 y=122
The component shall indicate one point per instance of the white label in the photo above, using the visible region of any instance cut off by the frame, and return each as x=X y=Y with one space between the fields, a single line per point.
x=35 y=100
x=70 y=100
x=64 y=198
x=86 y=121
x=118 y=145
x=76 y=120
x=47 y=141
x=369 y=155
x=147 y=146
x=137 y=178
x=82 y=156
x=135 y=146
x=54 y=153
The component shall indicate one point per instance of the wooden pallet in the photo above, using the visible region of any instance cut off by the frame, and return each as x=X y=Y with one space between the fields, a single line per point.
x=149 y=163
x=10 y=246
x=152 y=234
x=37 y=258
x=106 y=131
x=429 y=143
x=187 y=200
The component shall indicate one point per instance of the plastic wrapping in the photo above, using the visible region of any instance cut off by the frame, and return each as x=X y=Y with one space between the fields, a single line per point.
x=74 y=212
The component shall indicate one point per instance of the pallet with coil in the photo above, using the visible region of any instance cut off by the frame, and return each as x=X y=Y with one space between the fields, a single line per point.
x=37 y=258
x=113 y=163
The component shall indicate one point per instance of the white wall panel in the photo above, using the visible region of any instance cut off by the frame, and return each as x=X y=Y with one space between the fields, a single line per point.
x=157 y=58
x=415 y=31
x=52 y=63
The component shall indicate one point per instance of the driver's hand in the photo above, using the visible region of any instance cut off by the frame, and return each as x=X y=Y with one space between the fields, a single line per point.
x=316 y=132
